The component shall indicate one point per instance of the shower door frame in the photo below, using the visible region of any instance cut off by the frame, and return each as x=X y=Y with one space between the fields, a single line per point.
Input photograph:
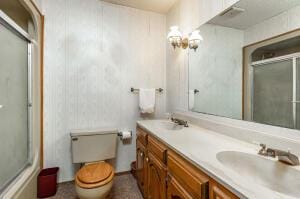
x=8 y=23
x=293 y=57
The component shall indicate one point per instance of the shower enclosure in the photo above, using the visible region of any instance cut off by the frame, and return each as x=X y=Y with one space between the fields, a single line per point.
x=276 y=91
x=15 y=100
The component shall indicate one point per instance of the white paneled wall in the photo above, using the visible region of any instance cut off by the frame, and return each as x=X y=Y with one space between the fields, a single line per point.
x=284 y=22
x=210 y=8
x=94 y=53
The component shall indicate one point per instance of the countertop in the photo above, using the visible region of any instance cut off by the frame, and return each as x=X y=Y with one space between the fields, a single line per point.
x=201 y=146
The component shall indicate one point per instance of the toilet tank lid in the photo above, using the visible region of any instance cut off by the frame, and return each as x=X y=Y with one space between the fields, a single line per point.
x=88 y=132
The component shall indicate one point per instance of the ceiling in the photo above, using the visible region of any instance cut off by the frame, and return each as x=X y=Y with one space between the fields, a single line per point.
x=255 y=12
x=160 y=6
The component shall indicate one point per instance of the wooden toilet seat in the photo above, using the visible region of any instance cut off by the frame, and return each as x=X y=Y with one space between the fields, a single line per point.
x=94 y=175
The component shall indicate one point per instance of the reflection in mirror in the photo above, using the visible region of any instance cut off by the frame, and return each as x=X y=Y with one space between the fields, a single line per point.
x=248 y=64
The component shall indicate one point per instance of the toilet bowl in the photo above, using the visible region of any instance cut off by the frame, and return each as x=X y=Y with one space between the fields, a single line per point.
x=91 y=148
x=94 y=180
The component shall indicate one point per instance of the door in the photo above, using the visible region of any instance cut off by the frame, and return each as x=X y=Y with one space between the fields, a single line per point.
x=273 y=93
x=156 y=178
x=15 y=102
x=141 y=170
x=175 y=190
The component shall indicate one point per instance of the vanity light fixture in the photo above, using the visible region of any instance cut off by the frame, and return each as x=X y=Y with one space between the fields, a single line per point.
x=176 y=39
x=194 y=39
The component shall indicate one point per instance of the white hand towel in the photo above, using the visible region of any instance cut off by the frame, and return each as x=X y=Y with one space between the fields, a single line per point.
x=147 y=100
x=191 y=99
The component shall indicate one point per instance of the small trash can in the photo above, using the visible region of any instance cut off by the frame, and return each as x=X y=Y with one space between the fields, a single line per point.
x=47 y=182
x=133 y=169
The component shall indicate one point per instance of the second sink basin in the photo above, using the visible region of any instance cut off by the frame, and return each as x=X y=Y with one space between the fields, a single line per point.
x=273 y=175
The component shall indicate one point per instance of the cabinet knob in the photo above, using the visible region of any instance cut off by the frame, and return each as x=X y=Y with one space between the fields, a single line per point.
x=147 y=159
x=141 y=154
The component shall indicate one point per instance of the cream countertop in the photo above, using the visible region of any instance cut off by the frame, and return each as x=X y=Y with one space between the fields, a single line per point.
x=200 y=146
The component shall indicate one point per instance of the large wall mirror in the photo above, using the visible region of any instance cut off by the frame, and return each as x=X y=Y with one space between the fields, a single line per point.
x=248 y=64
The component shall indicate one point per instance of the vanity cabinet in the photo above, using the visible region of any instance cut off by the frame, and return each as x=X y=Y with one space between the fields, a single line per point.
x=141 y=170
x=217 y=191
x=151 y=167
x=156 y=178
x=194 y=181
x=164 y=174
x=175 y=190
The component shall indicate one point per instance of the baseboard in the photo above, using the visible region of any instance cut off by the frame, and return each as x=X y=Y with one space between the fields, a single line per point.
x=122 y=173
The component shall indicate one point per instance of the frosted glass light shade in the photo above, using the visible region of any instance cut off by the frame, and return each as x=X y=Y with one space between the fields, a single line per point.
x=194 y=39
x=175 y=36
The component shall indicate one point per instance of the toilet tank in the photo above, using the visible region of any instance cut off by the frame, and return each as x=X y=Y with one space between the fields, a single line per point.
x=93 y=145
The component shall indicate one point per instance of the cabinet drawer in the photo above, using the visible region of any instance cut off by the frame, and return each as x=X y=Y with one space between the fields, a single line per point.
x=175 y=190
x=157 y=148
x=190 y=177
x=142 y=136
x=217 y=191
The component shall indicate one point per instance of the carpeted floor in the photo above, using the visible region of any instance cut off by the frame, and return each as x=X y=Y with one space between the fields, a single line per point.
x=124 y=187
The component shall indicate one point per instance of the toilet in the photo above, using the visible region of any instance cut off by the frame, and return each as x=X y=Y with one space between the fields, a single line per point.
x=92 y=148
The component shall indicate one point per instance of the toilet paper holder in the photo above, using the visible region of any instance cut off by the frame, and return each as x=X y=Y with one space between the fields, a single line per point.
x=120 y=134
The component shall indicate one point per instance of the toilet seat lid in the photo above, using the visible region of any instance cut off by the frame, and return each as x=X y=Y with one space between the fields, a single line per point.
x=94 y=173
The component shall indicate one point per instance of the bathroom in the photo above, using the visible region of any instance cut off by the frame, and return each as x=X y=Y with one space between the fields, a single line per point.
x=160 y=99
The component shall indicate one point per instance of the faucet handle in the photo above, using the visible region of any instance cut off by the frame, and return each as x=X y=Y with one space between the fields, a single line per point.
x=263 y=146
x=263 y=151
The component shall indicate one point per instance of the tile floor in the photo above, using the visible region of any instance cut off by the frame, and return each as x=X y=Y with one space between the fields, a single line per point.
x=124 y=187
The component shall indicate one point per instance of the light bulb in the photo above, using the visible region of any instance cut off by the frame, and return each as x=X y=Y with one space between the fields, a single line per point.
x=194 y=39
x=175 y=36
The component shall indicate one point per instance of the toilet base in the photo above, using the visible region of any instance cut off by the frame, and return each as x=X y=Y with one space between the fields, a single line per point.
x=95 y=193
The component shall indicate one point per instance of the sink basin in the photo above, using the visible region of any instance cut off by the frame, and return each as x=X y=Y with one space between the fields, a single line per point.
x=271 y=174
x=168 y=125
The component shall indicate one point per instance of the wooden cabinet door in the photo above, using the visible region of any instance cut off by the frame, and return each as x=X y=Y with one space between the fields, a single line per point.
x=217 y=191
x=175 y=190
x=156 y=178
x=141 y=167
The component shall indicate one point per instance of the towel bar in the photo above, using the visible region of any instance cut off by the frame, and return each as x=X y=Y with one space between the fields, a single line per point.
x=137 y=90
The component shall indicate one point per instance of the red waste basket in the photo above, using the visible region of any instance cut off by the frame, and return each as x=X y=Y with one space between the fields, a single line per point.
x=133 y=169
x=47 y=182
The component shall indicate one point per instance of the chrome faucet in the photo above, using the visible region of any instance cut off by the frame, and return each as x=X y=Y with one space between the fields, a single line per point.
x=179 y=122
x=283 y=156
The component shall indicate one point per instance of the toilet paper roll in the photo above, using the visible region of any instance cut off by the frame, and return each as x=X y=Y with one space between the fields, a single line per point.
x=126 y=135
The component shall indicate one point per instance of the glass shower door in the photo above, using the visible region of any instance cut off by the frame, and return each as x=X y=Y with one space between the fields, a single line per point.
x=297 y=93
x=14 y=100
x=273 y=93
